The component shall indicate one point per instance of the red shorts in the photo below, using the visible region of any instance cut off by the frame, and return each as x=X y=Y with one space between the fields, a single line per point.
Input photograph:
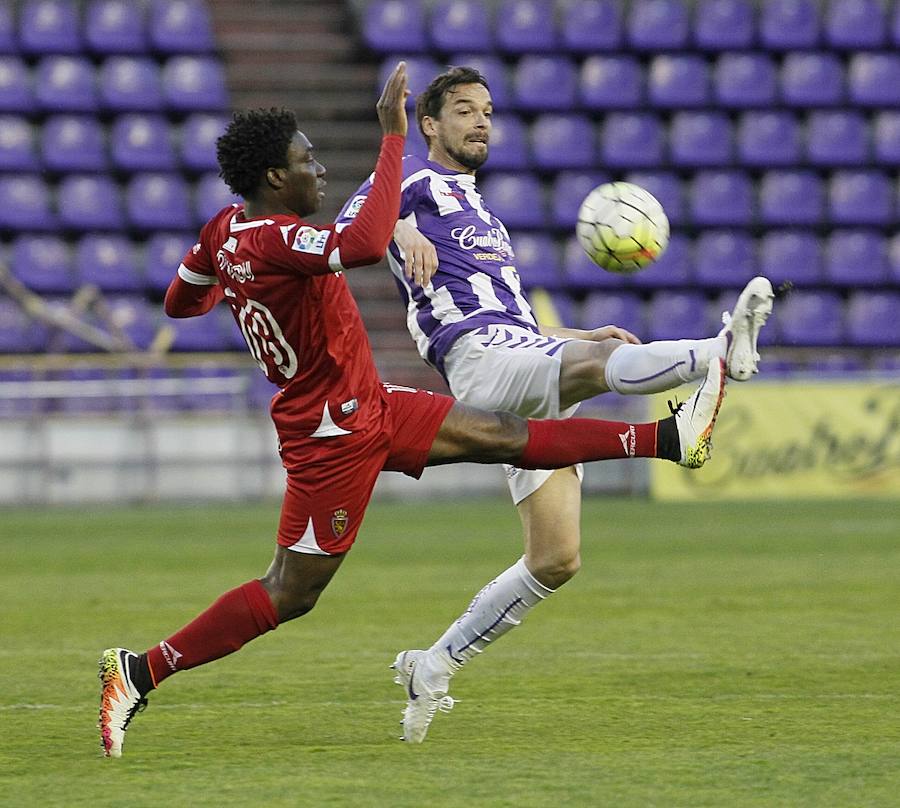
x=330 y=480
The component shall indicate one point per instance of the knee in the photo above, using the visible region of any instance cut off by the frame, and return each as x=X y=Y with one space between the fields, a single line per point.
x=289 y=601
x=555 y=568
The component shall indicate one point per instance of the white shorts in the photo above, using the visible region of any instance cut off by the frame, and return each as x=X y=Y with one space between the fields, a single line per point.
x=510 y=369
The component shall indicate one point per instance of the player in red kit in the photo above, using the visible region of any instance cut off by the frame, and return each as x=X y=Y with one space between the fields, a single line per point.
x=338 y=425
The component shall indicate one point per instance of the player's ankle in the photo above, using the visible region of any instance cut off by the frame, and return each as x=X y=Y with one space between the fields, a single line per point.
x=668 y=444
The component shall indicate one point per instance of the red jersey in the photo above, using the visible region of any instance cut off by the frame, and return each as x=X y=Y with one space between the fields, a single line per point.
x=282 y=280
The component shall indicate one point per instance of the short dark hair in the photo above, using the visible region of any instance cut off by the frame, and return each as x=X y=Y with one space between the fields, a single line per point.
x=431 y=100
x=254 y=141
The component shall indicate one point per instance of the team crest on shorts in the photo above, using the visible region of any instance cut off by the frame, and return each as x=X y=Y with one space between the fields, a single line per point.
x=339 y=522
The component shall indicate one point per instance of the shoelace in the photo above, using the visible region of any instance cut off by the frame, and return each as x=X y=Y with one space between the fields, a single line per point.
x=676 y=407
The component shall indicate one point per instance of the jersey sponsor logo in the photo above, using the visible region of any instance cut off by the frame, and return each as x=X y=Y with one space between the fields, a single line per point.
x=469 y=239
x=454 y=194
x=488 y=257
x=170 y=655
x=354 y=207
x=239 y=271
x=339 y=521
x=196 y=248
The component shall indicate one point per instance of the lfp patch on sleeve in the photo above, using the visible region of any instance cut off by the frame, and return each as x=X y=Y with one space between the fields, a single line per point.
x=354 y=207
x=310 y=240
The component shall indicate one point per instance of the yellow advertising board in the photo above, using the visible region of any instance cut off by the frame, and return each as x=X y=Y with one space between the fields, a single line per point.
x=794 y=440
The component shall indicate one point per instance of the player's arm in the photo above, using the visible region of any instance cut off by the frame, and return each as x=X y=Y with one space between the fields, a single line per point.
x=592 y=335
x=420 y=260
x=195 y=289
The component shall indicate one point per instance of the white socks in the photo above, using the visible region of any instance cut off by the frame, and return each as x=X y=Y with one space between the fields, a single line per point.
x=497 y=608
x=657 y=366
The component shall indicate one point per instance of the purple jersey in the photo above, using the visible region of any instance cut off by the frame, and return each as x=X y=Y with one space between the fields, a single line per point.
x=476 y=282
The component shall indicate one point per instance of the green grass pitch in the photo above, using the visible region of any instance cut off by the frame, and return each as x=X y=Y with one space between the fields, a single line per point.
x=717 y=655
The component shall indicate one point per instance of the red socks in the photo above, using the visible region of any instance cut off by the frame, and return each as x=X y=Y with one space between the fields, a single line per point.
x=234 y=619
x=557 y=444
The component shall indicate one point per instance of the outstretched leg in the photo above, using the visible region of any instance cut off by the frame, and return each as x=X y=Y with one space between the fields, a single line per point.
x=289 y=589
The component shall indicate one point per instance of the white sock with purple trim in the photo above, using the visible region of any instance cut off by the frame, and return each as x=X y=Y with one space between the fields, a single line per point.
x=497 y=608
x=657 y=366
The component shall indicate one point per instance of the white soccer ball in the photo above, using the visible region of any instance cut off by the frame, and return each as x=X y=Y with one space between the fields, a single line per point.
x=622 y=227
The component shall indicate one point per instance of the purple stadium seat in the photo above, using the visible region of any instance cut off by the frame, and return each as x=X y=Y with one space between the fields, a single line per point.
x=545 y=82
x=856 y=258
x=768 y=139
x=537 y=260
x=158 y=201
x=43 y=263
x=211 y=194
x=563 y=141
x=17 y=152
x=394 y=26
x=16 y=94
x=8 y=43
x=591 y=25
x=130 y=84
x=894 y=25
x=872 y=319
x=700 y=139
x=666 y=187
x=163 y=252
x=811 y=318
x=855 y=24
x=198 y=140
x=65 y=84
x=415 y=143
x=493 y=69
x=860 y=197
x=724 y=258
x=569 y=190
x=874 y=79
x=89 y=202
x=632 y=140
x=49 y=26
x=107 y=260
x=679 y=80
x=460 y=25
x=724 y=24
x=886 y=137
x=141 y=142
x=657 y=24
x=420 y=70
x=516 y=199
x=812 y=79
x=580 y=272
x=675 y=267
x=527 y=26
x=114 y=26
x=73 y=143
x=25 y=203
x=611 y=82
x=198 y=334
x=194 y=83
x=791 y=255
x=719 y=198
x=745 y=80
x=509 y=143
x=623 y=309
x=180 y=26
x=789 y=24
x=137 y=317
x=18 y=332
x=836 y=138
x=676 y=315
x=791 y=197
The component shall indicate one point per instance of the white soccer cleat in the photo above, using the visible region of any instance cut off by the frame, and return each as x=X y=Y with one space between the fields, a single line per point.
x=696 y=417
x=426 y=693
x=742 y=325
x=119 y=699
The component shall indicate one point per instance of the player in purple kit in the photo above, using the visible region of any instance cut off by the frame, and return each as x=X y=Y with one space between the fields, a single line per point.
x=456 y=271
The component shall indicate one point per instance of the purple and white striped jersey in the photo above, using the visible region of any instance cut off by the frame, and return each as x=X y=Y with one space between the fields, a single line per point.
x=476 y=283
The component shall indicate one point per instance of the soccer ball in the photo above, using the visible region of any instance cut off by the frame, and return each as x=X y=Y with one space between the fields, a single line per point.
x=622 y=227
